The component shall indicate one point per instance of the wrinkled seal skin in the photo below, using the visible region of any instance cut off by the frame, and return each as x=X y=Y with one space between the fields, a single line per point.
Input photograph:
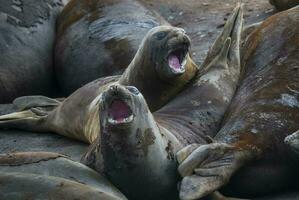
x=98 y=38
x=263 y=112
x=26 y=45
x=284 y=4
x=139 y=157
x=77 y=116
x=53 y=167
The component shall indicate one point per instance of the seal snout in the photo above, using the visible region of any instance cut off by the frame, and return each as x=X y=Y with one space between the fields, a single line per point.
x=118 y=103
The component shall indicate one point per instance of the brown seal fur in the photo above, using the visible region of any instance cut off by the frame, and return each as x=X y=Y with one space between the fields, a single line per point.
x=138 y=157
x=26 y=47
x=99 y=38
x=77 y=116
x=263 y=112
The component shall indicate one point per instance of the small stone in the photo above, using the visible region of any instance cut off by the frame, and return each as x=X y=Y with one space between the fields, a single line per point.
x=170 y=17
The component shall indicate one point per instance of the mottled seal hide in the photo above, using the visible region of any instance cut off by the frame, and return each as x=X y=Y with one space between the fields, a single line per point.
x=136 y=149
x=26 y=47
x=98 y=38
x=263 y=112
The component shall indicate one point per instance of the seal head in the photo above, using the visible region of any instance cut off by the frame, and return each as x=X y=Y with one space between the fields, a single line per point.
x=131 y=146
x=168 y=48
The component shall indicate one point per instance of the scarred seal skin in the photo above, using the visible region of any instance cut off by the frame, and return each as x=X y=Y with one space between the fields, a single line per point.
x=26 y=47
x=160 y=69
x=99 y=38
x=264 y=110
x=284 y=4
x=138 y=147
x=43 y=171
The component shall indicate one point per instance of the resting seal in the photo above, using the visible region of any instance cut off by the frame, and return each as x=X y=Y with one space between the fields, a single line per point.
x=263 y=112
x=284 y=4
x=98 y=38
x=160 y=68
x=26 y=46
x=53 y=176
x=136 y=149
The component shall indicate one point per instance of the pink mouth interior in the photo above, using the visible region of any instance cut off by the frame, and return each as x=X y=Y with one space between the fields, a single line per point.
x=174 y=62
x=119 y=110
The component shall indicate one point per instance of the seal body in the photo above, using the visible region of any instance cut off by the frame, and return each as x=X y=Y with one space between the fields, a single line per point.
x=266 y=106
x=98 y=38
x=53 y=176
x=26 y=46
x=263 y=112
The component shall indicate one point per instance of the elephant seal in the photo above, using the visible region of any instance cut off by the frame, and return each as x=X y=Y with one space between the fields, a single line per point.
x=284 y=4
x=136 y=149
x=44 y=170
x=264 y=110
x=99 y=38
x=26 y=46
x=160 y=69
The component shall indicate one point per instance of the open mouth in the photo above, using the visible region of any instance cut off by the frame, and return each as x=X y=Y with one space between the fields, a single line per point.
x=119 y=112
x=177 y=60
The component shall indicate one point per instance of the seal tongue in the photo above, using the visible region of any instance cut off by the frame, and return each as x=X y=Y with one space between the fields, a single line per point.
x=119 y=110
x=174 y=62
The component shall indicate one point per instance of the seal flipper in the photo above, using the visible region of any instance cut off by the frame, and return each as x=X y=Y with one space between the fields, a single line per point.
x=231 y=29
x=30 y=120
x=27 y=102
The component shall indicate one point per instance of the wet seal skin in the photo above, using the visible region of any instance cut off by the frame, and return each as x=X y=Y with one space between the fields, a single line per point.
x=284 y=4
x=45 y=169
x=136 y=149
x=161 y=63
x=99 y=38
x=26 y=47
x=264 y=110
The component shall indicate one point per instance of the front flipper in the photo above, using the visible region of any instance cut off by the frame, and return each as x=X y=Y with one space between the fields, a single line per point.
x=27 y=102
x=208 y=168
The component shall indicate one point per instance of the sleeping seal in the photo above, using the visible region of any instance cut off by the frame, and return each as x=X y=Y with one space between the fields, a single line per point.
x=136 y=149
x=99 y=38
x=53 y=176
x=26 y=45
x=263 y=112
x=160 y=69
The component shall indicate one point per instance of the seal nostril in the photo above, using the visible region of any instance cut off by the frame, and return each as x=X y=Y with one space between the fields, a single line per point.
x=114 y=89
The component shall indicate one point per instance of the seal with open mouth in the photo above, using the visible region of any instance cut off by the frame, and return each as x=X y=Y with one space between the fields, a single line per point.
x=99 y=38
x=136 y=149
x=160 y=69
x=26 y=47
x=265 y=109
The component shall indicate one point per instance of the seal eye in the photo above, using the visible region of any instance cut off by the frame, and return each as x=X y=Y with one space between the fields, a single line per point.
x=160 y=35
x=133 y=90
